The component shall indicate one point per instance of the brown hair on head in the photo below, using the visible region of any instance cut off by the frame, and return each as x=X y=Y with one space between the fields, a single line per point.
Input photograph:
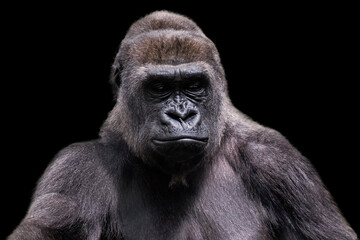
x=161 y=20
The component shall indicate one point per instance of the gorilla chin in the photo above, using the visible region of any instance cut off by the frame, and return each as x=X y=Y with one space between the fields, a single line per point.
x=180 y=149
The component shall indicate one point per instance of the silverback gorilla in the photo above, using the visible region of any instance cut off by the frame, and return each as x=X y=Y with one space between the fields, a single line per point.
x=176 y=160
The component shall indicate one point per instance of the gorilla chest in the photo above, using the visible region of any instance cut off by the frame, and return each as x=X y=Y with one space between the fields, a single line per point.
x=219 y=209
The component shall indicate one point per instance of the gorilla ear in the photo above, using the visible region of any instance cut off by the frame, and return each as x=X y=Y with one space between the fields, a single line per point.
x=115 y=79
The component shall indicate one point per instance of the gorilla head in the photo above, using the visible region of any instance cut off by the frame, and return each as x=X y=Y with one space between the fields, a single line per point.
x=169 y=86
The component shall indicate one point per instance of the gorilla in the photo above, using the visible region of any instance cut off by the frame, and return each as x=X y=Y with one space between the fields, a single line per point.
x=176 y=160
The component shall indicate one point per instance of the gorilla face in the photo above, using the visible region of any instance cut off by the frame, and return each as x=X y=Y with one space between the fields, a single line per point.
x=172 y=114
x=177 y=94
x=168 y=84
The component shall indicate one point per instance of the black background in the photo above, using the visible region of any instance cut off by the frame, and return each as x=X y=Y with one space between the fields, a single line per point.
x=289 y=67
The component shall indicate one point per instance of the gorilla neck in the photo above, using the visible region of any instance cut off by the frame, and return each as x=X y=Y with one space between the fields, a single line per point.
x=176 y=171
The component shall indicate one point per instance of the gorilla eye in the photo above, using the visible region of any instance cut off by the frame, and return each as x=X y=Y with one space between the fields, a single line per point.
x=160 y=88
x=195 y=86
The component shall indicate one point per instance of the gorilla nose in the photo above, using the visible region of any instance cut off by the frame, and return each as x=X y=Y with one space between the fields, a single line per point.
x=186 y=117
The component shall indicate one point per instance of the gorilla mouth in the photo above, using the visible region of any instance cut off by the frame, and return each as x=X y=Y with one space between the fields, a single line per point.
x=181 y=140
x=180 y=148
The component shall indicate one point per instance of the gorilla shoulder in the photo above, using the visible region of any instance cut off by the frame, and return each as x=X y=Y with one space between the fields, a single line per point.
x=75 y=168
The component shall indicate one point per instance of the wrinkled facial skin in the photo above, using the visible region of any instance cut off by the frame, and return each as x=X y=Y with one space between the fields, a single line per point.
x=178 y=95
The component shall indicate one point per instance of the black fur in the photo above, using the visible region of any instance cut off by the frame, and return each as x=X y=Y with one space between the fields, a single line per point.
x=234 y=179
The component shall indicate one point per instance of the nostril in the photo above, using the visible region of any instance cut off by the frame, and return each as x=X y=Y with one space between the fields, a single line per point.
x=178 y=116
x=173 y=115
x=189 y=115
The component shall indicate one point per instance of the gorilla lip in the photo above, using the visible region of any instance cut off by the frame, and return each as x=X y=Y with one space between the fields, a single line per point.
x=180 y=140
x=180 y=149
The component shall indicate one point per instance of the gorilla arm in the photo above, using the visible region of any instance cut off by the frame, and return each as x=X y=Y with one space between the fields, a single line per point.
x=47 y=214
x=283 y=181
x=64 y=203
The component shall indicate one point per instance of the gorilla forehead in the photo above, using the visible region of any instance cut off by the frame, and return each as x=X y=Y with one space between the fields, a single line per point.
x=169 y=47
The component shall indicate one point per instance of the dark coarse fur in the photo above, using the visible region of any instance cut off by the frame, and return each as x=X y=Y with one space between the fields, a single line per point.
x=248 y=182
